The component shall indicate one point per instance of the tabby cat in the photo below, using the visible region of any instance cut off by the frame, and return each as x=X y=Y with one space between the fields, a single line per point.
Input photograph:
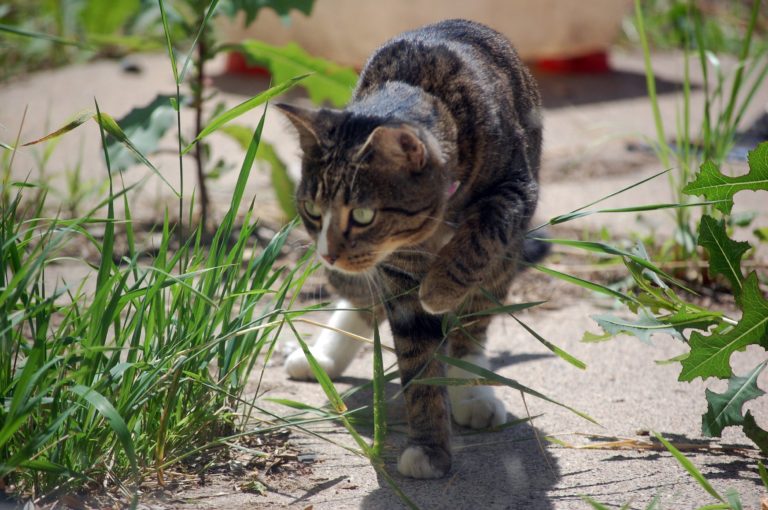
x=418 y=195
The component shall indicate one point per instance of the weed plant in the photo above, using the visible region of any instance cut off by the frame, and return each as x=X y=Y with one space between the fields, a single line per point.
x=726 y=100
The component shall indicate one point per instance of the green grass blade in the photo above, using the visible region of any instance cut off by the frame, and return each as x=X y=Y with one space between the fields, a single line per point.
x=75 y=121
x=650 y=81
x=598 y=247
x=105 y=268
x=690 y=467
x=40 y=35
x=594 y=504
x=492 y=376
x=116 y=422
x=552 y=347
x=379 y=401
x=515 y=307
x=763 y=473
x=242 y=108
x=595 y=287
x=606 y=197
x=209 y=13
x=110 y=126
x=638 y=208
x=169 y=44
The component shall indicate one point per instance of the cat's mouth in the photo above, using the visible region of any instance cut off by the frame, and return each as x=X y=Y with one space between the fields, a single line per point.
x=351 y=264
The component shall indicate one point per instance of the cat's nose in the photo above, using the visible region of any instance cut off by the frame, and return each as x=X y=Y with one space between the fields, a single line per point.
x=330 y=258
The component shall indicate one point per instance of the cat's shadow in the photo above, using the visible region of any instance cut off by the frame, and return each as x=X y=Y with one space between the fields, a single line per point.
x=505 y=469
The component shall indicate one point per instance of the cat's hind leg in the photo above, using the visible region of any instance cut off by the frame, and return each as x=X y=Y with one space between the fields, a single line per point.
x=334 y=351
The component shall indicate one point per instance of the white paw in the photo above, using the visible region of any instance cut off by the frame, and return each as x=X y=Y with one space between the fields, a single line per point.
x=415 y=462
x=298 y=367
x=479 y=411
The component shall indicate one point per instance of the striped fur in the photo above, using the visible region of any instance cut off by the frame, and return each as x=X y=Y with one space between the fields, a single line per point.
x=442 y=140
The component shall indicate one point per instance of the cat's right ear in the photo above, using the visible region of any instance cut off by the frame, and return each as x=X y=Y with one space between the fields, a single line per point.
x=304 y=120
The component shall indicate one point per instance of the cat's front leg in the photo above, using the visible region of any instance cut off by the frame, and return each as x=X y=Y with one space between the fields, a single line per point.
x=334 y=351
x=491 y=232
x=417 y=337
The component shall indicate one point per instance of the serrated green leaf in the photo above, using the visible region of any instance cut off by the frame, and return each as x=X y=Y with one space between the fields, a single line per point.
x=692 y=319
x=251 y=8
x=328 y=81
x=724 y=409
x=645 y=326
x=145 y=126
x=710 y=355
x=715 y=186
x=757 y=435
x=724 y=253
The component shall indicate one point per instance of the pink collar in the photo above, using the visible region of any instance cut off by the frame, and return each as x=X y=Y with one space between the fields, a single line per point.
x=452 y=189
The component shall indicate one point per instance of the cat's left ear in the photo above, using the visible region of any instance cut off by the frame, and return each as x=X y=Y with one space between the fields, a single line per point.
x=399 y=145
x=304 y=120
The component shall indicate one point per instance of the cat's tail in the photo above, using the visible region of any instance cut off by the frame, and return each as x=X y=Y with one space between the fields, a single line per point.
x=534 y=249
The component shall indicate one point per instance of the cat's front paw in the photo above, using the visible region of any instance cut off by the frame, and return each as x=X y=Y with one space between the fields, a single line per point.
x=439 y=293
x=298 y=367
x=421 y=461
x=479 y=411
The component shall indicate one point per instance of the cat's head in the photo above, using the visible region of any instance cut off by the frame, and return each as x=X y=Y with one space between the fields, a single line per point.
x=368 y=187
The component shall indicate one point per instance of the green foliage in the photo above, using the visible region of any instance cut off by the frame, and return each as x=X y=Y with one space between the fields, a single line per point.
x=710 y=355
x=724 y=409
x=726 y=99
x=247 y=105
x=149 y=367
x=251 y=8
x=672 y=24
x=108 y=123
x=691 y=468
x=724 y=253
x=757 y=435
x=144 y=126
x=643 y=328
x=327 y=81
x=717 y=187
x=100 y=17
x=711 y=337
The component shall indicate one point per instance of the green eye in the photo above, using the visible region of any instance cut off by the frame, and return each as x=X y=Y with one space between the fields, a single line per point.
x=312 y=210
x=362 y=215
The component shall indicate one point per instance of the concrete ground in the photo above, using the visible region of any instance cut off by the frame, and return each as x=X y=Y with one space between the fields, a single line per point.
x=589 y=122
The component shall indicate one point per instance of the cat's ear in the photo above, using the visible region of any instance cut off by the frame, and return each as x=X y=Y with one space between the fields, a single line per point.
x=305 y=122
x=399 y=145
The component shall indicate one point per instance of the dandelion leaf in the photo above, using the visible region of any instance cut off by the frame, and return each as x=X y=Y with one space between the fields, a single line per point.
x=643 y=328
x=710 y=355
x=724 y=253
x=753 y=431
x=724 y=409
x=715 y=186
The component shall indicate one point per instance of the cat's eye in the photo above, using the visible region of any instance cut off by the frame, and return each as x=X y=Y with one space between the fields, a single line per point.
x=312 y=210
x=363 y=215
